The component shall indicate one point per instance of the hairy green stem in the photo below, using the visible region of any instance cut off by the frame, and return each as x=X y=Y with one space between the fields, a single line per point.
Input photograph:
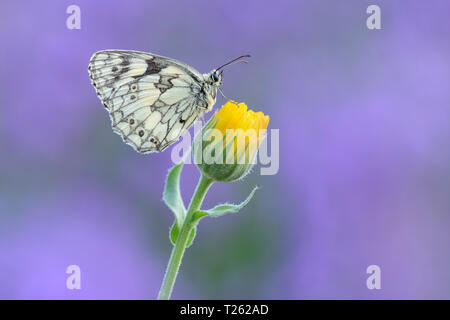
x=180 y=245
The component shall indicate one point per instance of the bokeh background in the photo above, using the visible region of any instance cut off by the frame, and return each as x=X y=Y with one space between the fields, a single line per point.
x=364 y=172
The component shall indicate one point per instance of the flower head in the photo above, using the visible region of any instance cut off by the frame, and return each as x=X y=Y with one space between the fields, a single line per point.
x=227 y=146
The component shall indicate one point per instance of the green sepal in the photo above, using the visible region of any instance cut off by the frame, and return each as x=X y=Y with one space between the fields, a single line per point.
x=224 y=208
x=172 y=196
x=174 y=231
x=191 y=236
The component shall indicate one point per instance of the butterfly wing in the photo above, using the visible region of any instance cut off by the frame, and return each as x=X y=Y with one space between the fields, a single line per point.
x=152 y=100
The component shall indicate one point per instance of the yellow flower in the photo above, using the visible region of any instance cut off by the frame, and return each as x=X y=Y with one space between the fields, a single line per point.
x=229 y=142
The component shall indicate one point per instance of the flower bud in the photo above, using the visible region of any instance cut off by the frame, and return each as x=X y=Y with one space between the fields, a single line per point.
x=226 y=148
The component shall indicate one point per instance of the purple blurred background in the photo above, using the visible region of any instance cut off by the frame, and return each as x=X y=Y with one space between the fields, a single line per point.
x=364 y=157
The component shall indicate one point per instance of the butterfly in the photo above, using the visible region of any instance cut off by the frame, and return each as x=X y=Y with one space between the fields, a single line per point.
x=152 y=100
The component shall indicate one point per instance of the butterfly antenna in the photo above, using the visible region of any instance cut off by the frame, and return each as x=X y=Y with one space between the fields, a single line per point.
x=234 y=61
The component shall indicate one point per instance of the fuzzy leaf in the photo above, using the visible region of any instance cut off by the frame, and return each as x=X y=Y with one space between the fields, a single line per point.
x=172 y=195
x=224 y=208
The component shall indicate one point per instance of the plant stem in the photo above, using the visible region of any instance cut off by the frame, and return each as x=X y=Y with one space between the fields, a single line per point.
x=180 y=245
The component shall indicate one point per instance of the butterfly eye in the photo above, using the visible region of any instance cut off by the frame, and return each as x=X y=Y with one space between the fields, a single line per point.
x=215 y=77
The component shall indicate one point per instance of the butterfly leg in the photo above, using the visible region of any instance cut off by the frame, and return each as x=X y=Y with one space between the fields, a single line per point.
x=202 y=116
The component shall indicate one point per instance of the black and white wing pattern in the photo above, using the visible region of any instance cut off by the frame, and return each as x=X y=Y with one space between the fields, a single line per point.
x=152 y=100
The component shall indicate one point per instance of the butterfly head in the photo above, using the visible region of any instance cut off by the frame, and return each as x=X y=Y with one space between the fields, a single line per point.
x=215 y=78
x=213 y=81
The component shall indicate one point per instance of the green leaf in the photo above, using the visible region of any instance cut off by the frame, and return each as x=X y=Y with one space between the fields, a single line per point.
x=225 y=208
x=175 y=231
x=191 y=236
x=172 y=195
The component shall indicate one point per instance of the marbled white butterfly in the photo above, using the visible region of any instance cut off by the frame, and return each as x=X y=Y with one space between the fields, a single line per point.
x=152 y=100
